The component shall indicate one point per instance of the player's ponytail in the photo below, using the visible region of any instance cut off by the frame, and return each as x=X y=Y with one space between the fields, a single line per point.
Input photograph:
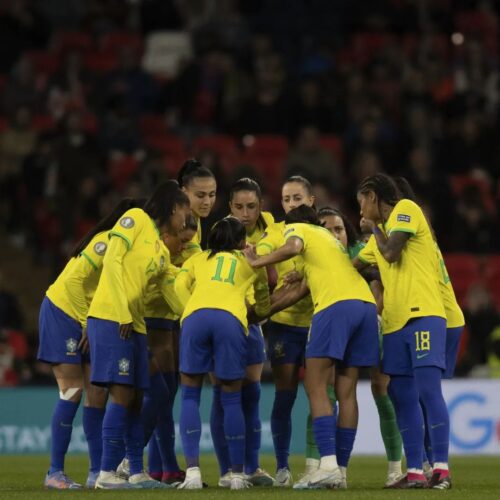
x=226 y=235
x=383 y=186
x=190 y=170
x=304 y=214
x=106 y=223
x=160 y=206
x=405 y=190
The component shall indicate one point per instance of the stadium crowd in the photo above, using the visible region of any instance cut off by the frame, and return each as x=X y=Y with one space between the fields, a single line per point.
x=335 y=91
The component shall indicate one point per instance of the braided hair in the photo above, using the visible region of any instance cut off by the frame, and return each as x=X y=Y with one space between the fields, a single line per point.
x=384 y=188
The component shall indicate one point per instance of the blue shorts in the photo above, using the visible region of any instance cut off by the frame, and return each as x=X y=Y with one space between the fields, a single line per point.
x=161 y=324
x=59 y=336
x=286 y=343
x=453 y=336
x=116 y=360
x=213 y=340
x=346 y=331
x=256 y=349
x=421 y=342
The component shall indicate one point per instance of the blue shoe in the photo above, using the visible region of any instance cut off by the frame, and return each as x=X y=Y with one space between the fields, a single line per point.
x=144 y=481
x=91 y=480
x=60 y=481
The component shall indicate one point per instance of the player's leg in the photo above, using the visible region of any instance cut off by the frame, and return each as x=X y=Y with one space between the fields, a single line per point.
x=93 y=415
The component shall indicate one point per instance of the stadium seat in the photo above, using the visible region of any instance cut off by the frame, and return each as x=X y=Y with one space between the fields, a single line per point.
x=3 y=124
x=99 y=62
x=111 y=43
x=461 y=182
x=63 y=41
x=265 y=146
x=43 y=123
x=121 y=170
x=153 y=124
x=166 y=144
x=43 y=61
x=225 y=146
x=334 y=145
x=462 y=264
x=90 y=123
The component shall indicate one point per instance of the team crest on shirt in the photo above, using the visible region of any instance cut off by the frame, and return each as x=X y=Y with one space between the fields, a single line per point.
x=71 y=347
x=404 y=218
x=100 y=248
x=279 y=350
x=123 y=366
x=127 y=222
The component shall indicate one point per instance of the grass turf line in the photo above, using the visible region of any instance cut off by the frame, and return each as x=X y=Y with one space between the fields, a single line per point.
x=21 y=477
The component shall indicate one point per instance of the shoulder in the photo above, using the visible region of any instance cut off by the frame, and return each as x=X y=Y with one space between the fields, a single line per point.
x=132 y=217
x=268 y=218
x=408 y=208
x=98 y=244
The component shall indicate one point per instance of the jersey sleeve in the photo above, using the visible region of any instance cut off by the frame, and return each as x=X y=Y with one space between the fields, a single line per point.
x=129 y=226
x=184 y=282
x=295 y=231
x=367 y=253
x=168 y=289
x=405 y=217
x=95 y=250
x=268 y=243
x=73 y=283
x=113 y=268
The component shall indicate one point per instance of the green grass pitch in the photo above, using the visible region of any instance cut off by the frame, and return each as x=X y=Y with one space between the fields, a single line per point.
x=473 y=477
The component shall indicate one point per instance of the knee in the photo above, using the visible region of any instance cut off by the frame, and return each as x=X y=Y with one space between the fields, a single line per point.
x=73 y=394
x=379 y=387
x=95 y=396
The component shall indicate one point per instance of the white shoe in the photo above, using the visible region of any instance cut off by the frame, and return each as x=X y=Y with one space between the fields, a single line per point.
x=193 y=480
x=260 y=478
x=325 y=478
x=111 y=481
x=225 y=480
x=303 y=482
x=284 y=478
x=343 y=482
x=393 y=478
x=239 y=482
x=123 y=470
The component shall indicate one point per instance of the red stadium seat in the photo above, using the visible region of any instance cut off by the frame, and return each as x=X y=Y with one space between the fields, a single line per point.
x=99 y=62
x=225 y=146
x=266 y=145
x=463 y=264
x=69 y=40
x=43 y=61
x=113 y=42
x=122 y=170
x=3 y=124
x=169 y=145
x=90 y=123
x=153 y=124
x=43 y=123
x=333 y=144
x=461 y=182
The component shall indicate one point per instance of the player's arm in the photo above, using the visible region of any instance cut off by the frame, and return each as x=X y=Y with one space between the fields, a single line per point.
x=168 y=290
x=113 y=269
x=261 y=294
x=287 y=297
x=392 y=246
x=184 y=282
x=290 y=249
x=378 y=292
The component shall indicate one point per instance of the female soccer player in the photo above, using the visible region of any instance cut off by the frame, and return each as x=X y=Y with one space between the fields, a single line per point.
x=413 y=321
x=162 y=324
x=343 y=332
x=63 y=315
x=287 y=332
x=213 y=286
x=116 y=327
x=199 y=183
x=340 y=226
x=245 y=202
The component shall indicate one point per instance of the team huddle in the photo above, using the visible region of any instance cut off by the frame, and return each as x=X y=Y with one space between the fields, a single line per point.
x=140 y=307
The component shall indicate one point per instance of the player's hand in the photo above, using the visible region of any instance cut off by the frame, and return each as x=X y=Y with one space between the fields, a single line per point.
x=251 y=255
x=366 y=225
x=126 y=331
x=83 y=345
x=291 y=278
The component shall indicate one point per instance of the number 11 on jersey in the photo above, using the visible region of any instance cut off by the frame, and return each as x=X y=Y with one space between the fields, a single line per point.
x=218 y=272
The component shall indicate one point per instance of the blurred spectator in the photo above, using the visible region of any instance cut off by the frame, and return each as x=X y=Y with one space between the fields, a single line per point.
x=309 y=159
x=481 y=318
x=70 y=87
x=22 y=88
x=8 y=375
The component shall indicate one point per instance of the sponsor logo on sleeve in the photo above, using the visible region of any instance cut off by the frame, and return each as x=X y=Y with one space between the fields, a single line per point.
x=403 y=218
x=127 y=222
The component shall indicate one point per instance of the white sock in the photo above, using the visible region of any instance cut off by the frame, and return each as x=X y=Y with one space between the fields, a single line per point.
x=193 y=472
x=394 y=467
x=312 y=464
x=328 y=462
x=415 y=471
x=441 y=465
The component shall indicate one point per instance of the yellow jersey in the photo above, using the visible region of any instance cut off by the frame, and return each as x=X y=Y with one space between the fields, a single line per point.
x=73 y=290
x=300 y=314
x=120 y=294
x=411 y=285
x=454 y=315
x=329 y=272
x=259 y=230
x=221 y=281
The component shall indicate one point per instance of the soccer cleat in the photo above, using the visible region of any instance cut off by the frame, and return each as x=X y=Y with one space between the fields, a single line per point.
x=174 y=478
x=111 y=481
x=123 y=469
x=193 y=480
x=392 y=479
x=410 y=481
x=440 y=480
x=144 y=481
x=260 y=478
x=60 y=481
x=225 y=480
x=303 y=482
x=343 y=483
x=91 y=479
x=284 y=478
x=325 y=478
x=239 y=481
